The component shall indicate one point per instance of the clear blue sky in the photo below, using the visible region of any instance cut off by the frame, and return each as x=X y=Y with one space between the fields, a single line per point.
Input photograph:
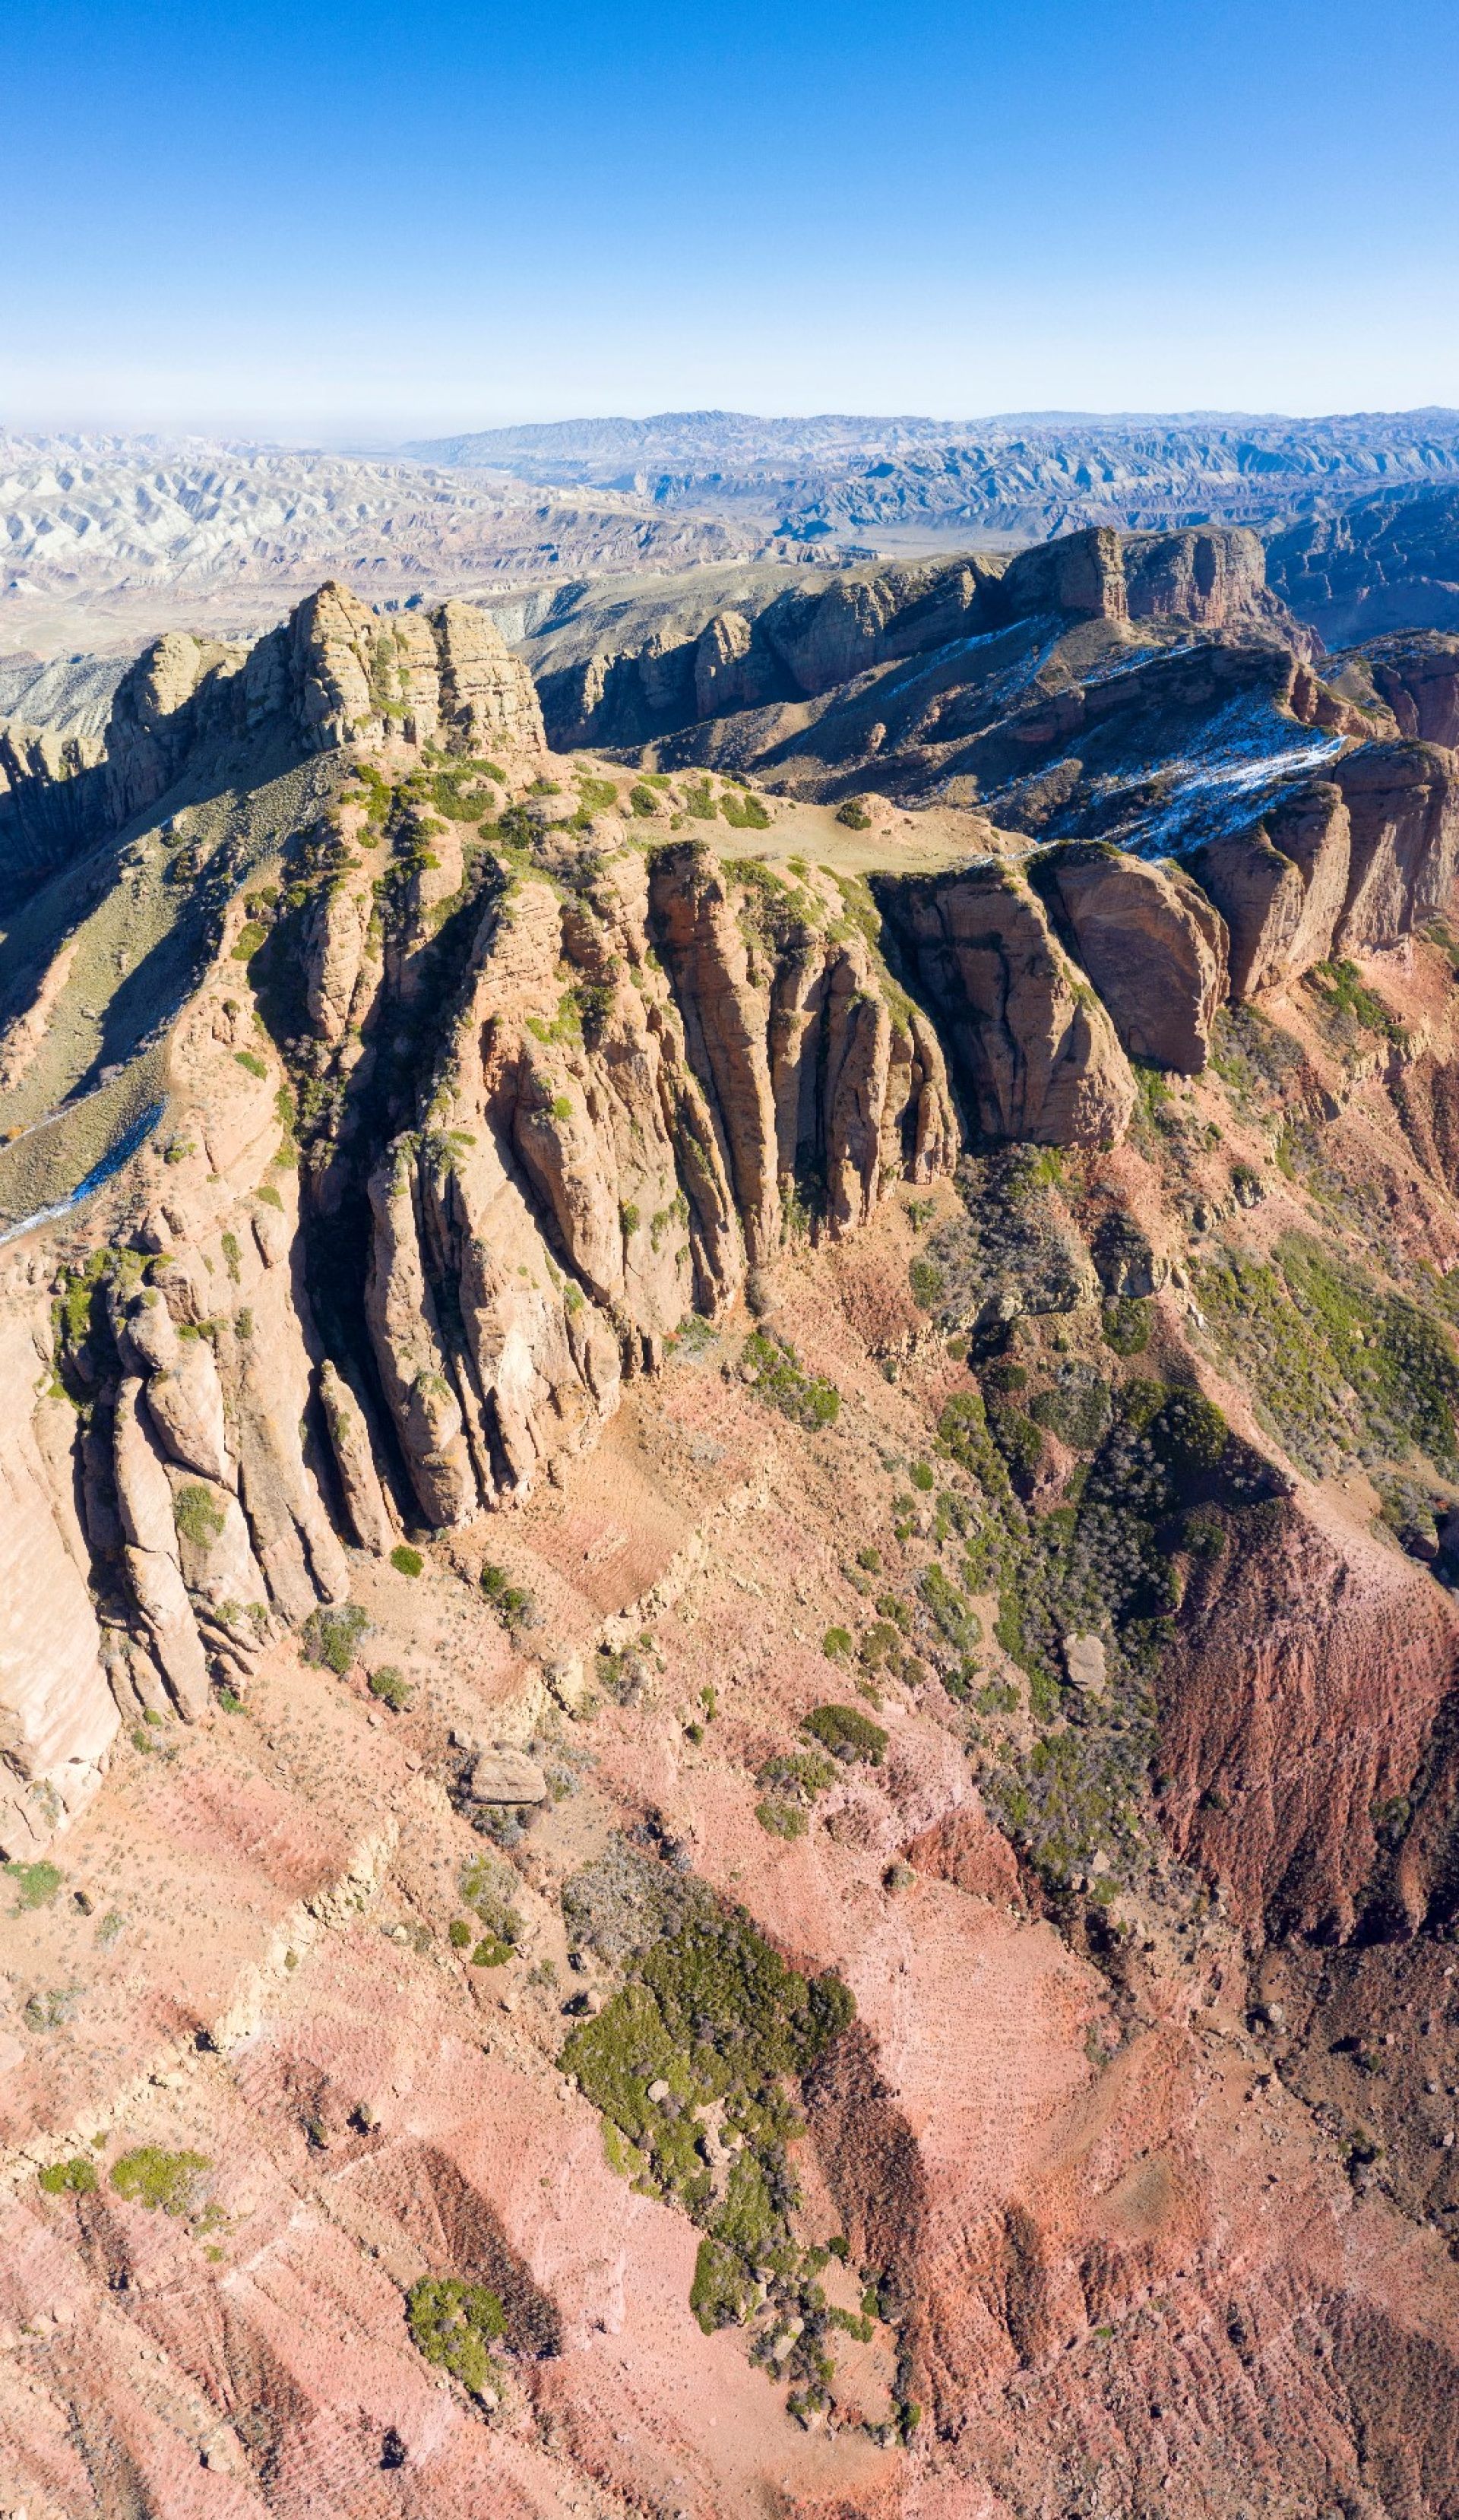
x=379 y=221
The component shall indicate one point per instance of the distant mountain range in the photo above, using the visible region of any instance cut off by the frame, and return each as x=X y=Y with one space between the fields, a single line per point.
x=896 y=484
x=110 y=539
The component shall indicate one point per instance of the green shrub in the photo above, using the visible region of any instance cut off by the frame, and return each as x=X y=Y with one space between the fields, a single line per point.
x=35 y=1884
x=250 y=937
x=331 y=1636
x=724 y=2291
x=392 y=1687
x=743 y=812
x=803 y=1774
x=1341 y=987
x=642 y=801
x=847 y=1734
x=781 y=1819
x=836 y=1643
x=808 y=1400
x=453 y=2324
x=75 y=2178
x=197 y=1516
x=1126 y=1324
x=484 y=1891
x=1018 y=1440
x=1077 y=1409
x=165 y=2181
x=405 y=1560
x=713 y=2014
x=512 y=1603
x=458 y=1934
x=928 y=1282
x=854 y=815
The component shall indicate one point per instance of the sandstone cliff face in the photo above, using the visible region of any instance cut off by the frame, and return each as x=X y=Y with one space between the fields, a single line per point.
x=1152 y=943
x=1305 y=1685
x=56 y=1718
x=1281 y=888
x=1030 y=1042
x=1403 y=811
x=636 y=1085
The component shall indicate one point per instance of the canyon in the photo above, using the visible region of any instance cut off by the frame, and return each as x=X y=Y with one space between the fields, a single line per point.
x=727 y=1641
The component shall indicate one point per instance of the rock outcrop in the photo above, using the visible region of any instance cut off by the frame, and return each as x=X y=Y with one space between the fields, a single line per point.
x=1032 y=1048
x=796 y=644
x=335 y=673
x=1280 y=887
x=1403 y=813
x=640 y=1082
x=1150 y=940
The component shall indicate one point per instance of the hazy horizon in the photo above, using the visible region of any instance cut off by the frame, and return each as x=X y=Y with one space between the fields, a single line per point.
x=337 y=230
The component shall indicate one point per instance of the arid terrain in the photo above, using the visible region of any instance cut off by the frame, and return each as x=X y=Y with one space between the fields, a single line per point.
x=728 y=1717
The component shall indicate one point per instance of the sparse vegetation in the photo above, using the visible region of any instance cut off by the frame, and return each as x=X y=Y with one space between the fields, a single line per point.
x=454 y=2324
x=808 y=1400
x=1340 y=1364
x=197 y=1516
x=847 y=1734
x=166 y=2183
x=73 y=2178
x=512 y=1603
x=35 y=1885
x=713 y=2022
x=332 y=1634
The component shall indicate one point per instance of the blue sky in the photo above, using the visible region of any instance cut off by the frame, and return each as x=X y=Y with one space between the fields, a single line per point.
x=374 y=222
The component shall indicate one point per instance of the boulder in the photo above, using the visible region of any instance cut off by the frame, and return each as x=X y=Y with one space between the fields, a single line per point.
x=504 y=1775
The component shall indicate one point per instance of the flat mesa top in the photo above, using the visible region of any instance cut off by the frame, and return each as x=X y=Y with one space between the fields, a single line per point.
x=924 y=842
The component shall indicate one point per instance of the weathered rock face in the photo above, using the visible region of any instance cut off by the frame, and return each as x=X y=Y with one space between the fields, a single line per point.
x=1297 y=1701
x=636 y=1085
x=1213 y=577
x=445 y=675
x=1418 y=675
x=335 y=673
x=1403 y=809
x=1032 y=1047
x=1150 y=940
x=56 y=1715
x=1280 y=887
x=370 y=1524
